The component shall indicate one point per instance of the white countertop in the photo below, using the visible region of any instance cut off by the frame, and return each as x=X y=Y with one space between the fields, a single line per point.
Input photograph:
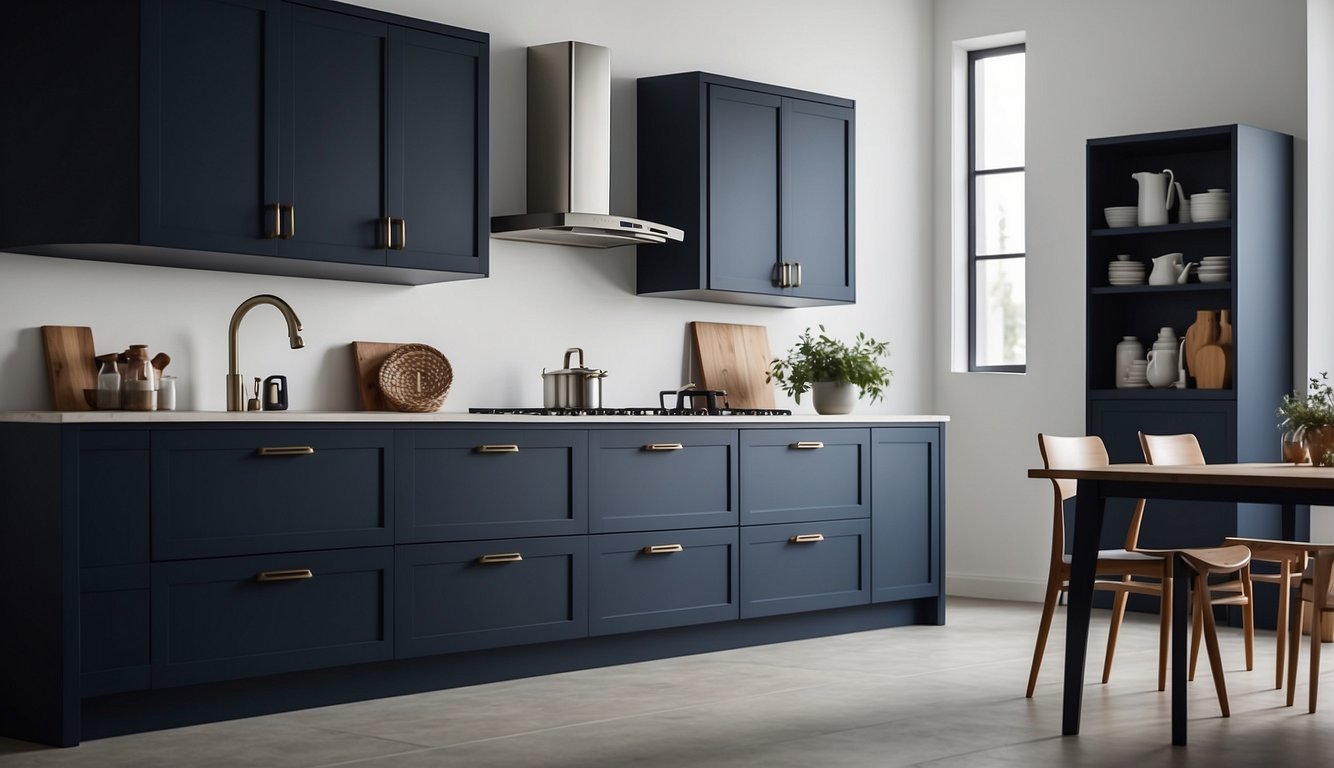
x=260 y=417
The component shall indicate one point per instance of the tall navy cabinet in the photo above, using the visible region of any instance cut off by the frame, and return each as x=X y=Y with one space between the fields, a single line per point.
x=302 y=138
x=761 y=179
x=1237 y=422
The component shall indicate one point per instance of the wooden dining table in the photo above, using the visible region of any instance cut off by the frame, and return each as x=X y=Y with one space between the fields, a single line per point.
x=1287 y=485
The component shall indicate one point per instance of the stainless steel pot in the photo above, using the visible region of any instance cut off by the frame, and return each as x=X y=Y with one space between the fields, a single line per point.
x=572 y=386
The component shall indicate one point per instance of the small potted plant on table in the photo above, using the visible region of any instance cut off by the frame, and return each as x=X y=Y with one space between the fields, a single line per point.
x=1308 y=423
x=838 y=373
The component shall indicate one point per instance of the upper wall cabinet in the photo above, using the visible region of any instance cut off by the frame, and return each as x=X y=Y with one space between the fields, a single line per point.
x=310 y=139
x=762 y=179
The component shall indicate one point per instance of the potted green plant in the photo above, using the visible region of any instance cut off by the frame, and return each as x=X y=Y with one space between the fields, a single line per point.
x=832 y=369
x=1308 y=423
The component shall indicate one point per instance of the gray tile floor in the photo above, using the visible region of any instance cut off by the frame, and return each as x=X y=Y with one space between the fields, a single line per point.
x=934 y=696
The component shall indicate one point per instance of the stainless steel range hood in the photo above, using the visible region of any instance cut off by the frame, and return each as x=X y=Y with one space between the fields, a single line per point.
x=569 y=155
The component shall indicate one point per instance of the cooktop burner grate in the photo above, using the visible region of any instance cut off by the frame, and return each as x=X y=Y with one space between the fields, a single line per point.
x=637 y=411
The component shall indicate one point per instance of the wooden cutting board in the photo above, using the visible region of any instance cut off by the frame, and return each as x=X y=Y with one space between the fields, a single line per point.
x=1210 y=367
x=71 y=365
x=369 y=355
x=734 y=358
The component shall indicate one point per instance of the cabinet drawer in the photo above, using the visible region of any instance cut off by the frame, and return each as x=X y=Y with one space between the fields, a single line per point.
x=795 y=475
x=114 y=629
x=484 y=594
x=804 y=566
x=245 y=616
x=218 y=492
x=644 y=480
x=665 y=579
x=456 y=485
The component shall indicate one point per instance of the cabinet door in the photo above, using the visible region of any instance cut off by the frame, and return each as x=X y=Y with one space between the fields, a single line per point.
x=437 y=93
x=804 y=566
x=656 y=479
x=487 y=594
x=817 y=198
x=333 y=163
x=662 y=579
x=208 y=145
x=743 y=189
x=906 y=488
x=794 y=475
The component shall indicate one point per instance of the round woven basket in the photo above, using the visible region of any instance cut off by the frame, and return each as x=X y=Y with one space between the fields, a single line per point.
x=415 y=378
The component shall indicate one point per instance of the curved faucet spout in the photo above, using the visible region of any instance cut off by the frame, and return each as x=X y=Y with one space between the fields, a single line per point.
x=235 y=387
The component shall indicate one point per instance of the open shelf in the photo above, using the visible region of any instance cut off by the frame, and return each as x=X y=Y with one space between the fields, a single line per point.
x=1151 y=289
x=1193 y=226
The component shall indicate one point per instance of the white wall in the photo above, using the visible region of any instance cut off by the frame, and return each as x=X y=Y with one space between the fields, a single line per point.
x=500 y=333
x=1094 y=69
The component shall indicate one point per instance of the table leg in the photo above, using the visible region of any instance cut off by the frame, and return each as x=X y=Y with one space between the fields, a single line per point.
x=1181 y=578
x=1089 y=506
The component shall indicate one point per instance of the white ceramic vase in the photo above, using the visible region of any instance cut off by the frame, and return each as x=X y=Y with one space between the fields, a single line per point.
x=832 y=398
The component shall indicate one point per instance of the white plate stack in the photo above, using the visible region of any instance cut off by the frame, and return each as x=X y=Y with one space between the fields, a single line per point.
x=1125 y=273
x=1136 y=376
x=1215 y=269
x=1214 y=205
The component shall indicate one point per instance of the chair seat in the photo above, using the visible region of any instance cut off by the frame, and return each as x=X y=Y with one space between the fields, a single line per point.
x=1122 y=555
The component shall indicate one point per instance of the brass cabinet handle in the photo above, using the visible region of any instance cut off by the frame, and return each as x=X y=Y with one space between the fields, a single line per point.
x=286 y=450
x=402 y=235
x=291 y=574
x=664 y=447
x=806 y=445
x=388 y=232
x=806 y=538
x=291 y=223
x=662 y=549
x=511 y=448
x=502 y=557
x=796 y=269
x=277 y=230
x=786 y=280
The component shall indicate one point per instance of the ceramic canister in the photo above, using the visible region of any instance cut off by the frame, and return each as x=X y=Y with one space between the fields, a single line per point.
x=1127 y=349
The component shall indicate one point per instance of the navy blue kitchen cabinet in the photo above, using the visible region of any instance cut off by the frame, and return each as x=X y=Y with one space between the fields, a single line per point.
x=804 y=566
x=235 y=492
x=455 y=485
x=232 y=617
x=306 y=138
x=1234 y=423
x=796 y=475
x=761 y=178
x=351 y=559
x=644 y=480
x=657 y=579
x=906 y=506
x=486 y=594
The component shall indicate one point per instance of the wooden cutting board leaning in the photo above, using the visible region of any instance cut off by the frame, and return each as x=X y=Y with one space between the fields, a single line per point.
x=369 y=356
x=734 y=358
x=71 y=365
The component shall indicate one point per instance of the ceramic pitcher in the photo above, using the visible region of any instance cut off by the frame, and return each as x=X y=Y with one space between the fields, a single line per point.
x=1166 y=269
x=1156 y=194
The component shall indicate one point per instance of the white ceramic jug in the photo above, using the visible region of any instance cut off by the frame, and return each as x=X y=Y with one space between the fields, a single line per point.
x=1156 y=193
x=1166 y=269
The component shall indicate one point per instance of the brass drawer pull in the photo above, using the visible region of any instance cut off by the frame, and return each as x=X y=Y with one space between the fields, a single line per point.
x=291 y=574
x=664 y=447
x=402 y=235
x=502 y=557
x=662 y=549
x=806 y=538
x=806 y=445
x=511 y=448
x=388 y=239
x=277 y=230
x=291 y=223
x=286 y=450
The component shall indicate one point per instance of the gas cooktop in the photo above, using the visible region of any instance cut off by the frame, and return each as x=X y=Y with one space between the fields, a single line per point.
x=637 y=411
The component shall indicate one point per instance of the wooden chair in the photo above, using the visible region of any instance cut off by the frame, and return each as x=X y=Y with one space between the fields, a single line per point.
x=1184 y=449
x=1317 y=585
x=1078 y=452
x=1290 y=556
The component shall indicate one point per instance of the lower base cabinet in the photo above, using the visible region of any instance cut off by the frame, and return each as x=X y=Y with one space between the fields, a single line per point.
x=662 y=579
x=804 y=566
x=237 y=617
x=484 y=594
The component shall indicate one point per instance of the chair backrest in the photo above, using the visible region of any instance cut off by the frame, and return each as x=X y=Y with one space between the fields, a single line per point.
x=1166 y=450
x=1068 y=453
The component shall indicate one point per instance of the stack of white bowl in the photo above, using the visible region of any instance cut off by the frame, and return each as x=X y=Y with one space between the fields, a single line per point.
x=1136 y=375
x=1125 y=272
x=1214 y=205
x=1121 y=215
x=1215 y=269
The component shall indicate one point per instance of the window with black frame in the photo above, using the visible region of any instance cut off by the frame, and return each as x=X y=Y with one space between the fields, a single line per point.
x=996 y=217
